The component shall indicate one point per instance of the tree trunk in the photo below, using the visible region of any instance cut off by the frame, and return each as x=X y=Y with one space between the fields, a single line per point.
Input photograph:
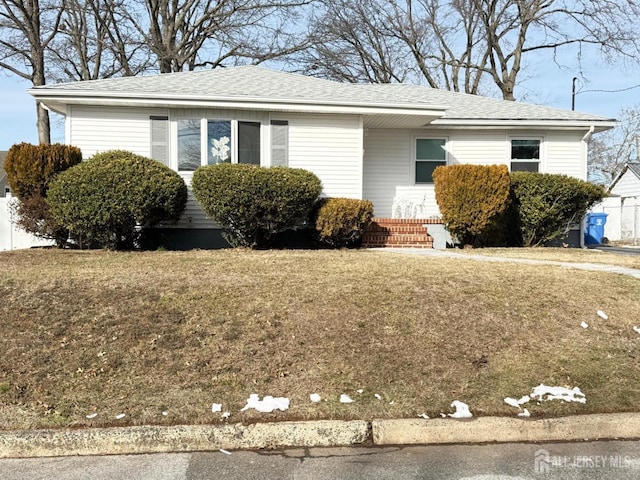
x=43 y=124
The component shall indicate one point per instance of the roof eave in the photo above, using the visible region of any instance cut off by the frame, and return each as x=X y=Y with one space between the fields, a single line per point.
x=599 y=125
x=57 y=98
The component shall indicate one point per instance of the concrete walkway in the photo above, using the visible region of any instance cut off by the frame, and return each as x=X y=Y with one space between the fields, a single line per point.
x=594 y=267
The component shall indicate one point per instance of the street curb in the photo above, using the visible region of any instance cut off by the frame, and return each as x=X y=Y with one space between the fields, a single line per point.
x=181 y=438
x=321 y=433
x=502 y=430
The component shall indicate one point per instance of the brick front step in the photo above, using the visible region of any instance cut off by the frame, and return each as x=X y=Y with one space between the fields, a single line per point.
x=395 y=232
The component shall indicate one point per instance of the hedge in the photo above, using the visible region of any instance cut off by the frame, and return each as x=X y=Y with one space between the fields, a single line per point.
x=471 y=198
x=253 y=204
x=110 y=197
x=341 y=222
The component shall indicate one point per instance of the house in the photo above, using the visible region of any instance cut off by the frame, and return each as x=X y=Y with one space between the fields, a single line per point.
x=380 y=142
x=622 y=206
x=4 y=184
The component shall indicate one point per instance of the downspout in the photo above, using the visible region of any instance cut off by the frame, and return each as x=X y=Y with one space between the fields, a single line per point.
x=585 y=139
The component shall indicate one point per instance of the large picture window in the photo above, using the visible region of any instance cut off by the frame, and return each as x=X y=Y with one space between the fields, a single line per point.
x=525 y=155
x=430 y=153
x=212 y=141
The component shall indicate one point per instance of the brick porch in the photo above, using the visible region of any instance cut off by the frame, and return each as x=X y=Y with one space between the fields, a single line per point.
x=399 y=232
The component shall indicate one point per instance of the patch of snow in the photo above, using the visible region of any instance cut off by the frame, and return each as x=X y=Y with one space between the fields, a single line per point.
x=120 y=416
x=443 y=415
x=462 y=410
x=602 y=315
x=584 y=325
x=267 y=405
x=392 y=402
x=512 y=402
x=379 y=397
x=360 y=390
x=225 y=451
x=216 y=407
x=315 y=398
x=165 y=413
x=92 y=415
x=424 y=415
x=636 y=329
x=543 y=392
x=225 y=415
x=344 y=398
x=525 y=413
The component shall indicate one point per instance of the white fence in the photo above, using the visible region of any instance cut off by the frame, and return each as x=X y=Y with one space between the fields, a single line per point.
x=11 y=236
x=623 y=220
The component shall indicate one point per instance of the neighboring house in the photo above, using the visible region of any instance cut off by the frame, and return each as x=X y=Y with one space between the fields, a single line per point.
x=380 y=142
x=623 y=205
x=4 y=184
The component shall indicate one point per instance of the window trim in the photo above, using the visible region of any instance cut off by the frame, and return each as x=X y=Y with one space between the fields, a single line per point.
x=541 y=144
x=414 y=154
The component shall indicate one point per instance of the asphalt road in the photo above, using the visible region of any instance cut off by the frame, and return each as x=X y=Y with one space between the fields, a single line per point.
x=618 y=460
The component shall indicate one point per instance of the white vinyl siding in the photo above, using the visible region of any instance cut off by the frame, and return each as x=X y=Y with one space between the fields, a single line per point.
x=97 y=129
x=387 y=164
x=565 y=153
x=627 y=186
x=331 y=147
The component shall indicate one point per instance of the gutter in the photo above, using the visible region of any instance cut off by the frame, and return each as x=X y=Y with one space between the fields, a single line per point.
x=587 y=135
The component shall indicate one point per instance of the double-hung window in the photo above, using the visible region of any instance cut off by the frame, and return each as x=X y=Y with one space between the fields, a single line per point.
x=525 y=155
x=211 y=141
x=430 y=153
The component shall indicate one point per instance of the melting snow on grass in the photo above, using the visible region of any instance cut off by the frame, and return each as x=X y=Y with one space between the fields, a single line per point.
x=636 y=329
x=267 y=405
x=516 y=403
x=315 y=398
x=543 y=392
x=462 y=410
x=216 y=407
x=602 y=315
x=344 y=398
x=584 y=324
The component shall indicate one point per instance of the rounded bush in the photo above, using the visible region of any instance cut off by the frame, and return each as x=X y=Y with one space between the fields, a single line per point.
x=110 y=197
x=30 y=169
x=253 y=204
x=341 y=222
x=471 y=198
x=546 y=205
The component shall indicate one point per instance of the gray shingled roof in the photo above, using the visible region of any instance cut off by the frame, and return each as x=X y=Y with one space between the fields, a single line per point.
x=635 y=168
x=257 y=83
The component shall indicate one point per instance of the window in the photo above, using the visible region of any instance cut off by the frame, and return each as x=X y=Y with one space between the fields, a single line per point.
x=212 y=141
x=189 y=156
x=525 y=155
x=430 y=153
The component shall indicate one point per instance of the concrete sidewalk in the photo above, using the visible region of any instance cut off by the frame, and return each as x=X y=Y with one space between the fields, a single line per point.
x=459 y=254
x=324 y=433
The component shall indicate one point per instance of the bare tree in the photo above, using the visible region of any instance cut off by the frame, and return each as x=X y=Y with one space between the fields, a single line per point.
x=96 y=40
x=27 y=28
x=191 y=34
x=459 y=44
x=610 y=150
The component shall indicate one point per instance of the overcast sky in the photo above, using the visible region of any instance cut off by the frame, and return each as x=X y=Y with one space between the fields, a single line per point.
x=547 y=84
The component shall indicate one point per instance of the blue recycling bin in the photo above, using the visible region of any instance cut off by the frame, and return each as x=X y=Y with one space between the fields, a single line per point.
x=594 y=233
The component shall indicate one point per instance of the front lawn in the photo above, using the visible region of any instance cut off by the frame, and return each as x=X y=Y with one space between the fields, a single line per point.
x=174 y=332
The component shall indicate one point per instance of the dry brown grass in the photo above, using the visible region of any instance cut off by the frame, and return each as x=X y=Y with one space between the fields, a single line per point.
x=141 y=333
x=574 y=255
